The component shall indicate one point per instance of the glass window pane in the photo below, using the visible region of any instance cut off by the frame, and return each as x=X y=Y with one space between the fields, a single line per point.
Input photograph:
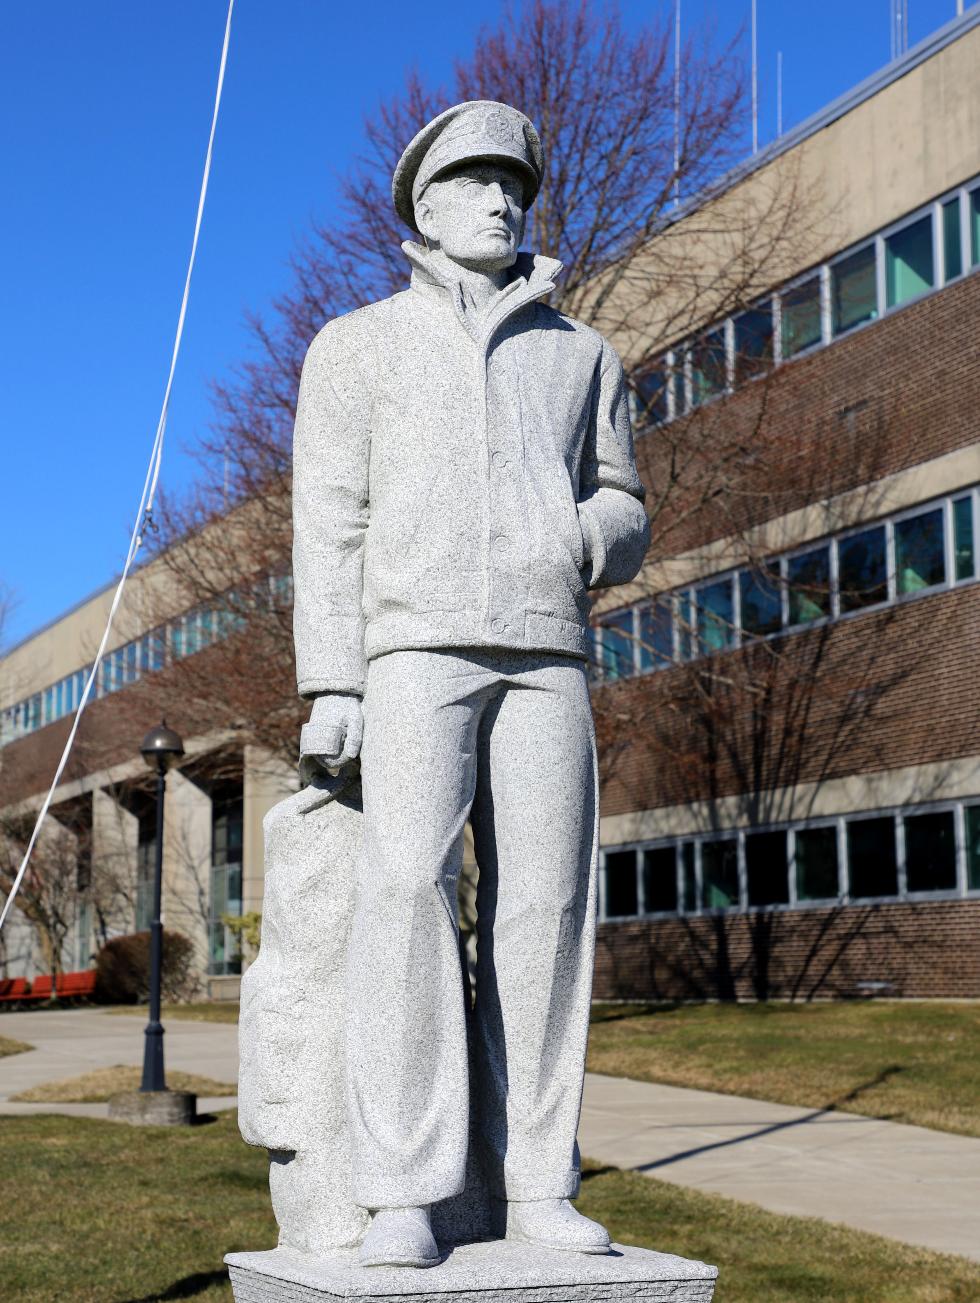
x=686 y=625
x=719 y=874
x=930 y=851
x=801 y=317
x=974 y=205
x=963 y=537
x=621 y=884
x=766 y=868
x=660 y=880
x=656 y=645
x=871 y=857
x=853 y=290
x=677 y=386
x=861 y=568
x=972 y=819
x=908 y=261
x=753 y=342
x=689 y=878
x=920 y=551
x=808 y=578
x=952 y=245
x=616 y=633
x=715 y=616
x=816 y=864
x=761 y=600
x=651 y=396
x=709 y=372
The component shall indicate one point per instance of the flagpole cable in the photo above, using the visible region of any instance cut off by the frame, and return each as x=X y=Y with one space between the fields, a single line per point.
x=144 y=515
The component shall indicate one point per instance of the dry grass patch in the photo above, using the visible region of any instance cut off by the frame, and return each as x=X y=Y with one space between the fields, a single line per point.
x=100 y=1085
x=906 y=1062
x=8 y=1046
x=147 y=1213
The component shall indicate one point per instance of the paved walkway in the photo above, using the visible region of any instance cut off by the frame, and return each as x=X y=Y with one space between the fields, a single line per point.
x=908 y=1183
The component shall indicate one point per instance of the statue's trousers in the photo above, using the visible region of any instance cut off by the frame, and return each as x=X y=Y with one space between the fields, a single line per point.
x=508 y=739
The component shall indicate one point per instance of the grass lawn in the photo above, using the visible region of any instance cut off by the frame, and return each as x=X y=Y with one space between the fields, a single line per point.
x=100 y=1085
x=203 y=1011
x=906 y=1062
x=92 y=1212
x=7 y=1046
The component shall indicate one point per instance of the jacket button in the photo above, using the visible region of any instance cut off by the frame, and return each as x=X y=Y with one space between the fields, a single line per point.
x=498 y=626
x=501 y=543
x=500 y=460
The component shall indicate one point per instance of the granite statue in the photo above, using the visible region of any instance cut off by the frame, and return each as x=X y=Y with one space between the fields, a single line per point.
x=464 y=475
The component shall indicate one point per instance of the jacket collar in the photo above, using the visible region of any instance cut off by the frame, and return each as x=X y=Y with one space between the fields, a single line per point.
x=534 y=276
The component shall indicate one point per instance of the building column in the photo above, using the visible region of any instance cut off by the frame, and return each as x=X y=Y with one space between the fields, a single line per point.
x=187 y=864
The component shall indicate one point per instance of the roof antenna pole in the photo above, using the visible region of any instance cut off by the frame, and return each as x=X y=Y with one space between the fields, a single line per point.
x=779 y=92
x=755 y=81
x=677 y=102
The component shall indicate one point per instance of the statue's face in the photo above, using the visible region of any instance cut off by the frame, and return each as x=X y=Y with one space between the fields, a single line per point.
x=475 y=215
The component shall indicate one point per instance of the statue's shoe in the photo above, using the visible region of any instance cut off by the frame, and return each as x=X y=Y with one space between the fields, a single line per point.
x=555 y=1224
x=399 y=1237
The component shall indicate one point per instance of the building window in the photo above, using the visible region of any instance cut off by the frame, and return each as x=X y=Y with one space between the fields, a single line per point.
x=974 y=202
x=930 y=851
x=909 y=262
x=761 y=601
x=920 y=552
x=808 y=580
x=656 y=638
x=689 y=879
x=652 y=398
x=952 y=240
x=616 y=644
x=716 y=617
x=817 y=874
x=765 y=868
x=719 y=874
x=853 y=290
x=971 y=819
x=802 y=317
x=753 y=343
x=622 y=897
x=709 y=367
x=963 y=561
x=862 y=569
x=871 y=857
x=660 y=880
x=226 y=881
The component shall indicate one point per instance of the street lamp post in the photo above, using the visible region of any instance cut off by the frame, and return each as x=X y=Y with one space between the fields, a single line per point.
x=161 y=749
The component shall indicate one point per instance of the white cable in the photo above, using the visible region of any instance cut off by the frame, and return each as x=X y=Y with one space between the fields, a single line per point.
x=145 y=511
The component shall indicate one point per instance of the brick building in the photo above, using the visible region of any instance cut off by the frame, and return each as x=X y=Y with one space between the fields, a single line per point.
x=787 y=699
x=792 y=789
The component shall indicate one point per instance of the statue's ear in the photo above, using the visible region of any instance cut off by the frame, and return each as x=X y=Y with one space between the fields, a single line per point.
x=423 y=219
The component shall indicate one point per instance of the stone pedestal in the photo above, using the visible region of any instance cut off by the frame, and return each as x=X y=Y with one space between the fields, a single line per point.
x=154 y=1108
x=491 y=1272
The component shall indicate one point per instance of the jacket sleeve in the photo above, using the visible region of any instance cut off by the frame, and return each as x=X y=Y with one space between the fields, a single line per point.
x=614 y=525
x=331 y=443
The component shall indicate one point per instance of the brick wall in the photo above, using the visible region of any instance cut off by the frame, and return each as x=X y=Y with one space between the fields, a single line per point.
x=926 y=949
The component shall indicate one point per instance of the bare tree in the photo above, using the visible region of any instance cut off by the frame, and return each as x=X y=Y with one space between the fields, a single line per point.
x=603 y=97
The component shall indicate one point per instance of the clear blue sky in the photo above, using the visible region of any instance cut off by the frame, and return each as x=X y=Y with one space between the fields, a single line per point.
x=104 y=109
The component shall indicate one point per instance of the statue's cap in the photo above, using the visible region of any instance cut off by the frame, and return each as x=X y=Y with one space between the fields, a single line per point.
x=474 y=129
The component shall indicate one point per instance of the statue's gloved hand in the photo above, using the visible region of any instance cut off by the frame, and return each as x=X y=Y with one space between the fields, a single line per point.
x=334 y=731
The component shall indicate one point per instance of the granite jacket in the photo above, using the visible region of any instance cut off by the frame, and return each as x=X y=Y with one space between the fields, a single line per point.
x=458 y=480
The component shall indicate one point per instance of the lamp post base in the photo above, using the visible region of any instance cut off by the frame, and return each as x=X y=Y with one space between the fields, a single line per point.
x=154 y=1108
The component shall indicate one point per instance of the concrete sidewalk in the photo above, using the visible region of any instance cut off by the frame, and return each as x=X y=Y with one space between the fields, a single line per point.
x=904 y=1182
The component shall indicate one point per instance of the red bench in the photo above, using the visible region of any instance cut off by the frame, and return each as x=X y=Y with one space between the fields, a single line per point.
x=14 y=988
x=71 y=986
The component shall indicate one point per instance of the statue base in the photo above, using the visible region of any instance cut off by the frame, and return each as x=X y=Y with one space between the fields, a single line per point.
x=496 y=1271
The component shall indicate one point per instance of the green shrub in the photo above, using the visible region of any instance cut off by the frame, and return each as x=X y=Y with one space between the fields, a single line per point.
x=122 y=969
